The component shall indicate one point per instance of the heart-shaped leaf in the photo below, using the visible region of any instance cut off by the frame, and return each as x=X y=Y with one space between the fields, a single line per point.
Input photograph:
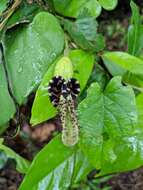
x=30 y=51
x=108 y=128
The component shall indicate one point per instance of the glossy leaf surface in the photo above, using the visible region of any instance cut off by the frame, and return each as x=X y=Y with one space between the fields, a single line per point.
x=30 y=51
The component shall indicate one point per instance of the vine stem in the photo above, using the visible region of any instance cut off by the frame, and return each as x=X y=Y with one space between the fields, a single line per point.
x=10 y=12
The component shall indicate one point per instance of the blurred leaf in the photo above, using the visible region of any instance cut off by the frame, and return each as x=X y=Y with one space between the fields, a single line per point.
x=24 y=13
x=108 y=4
x=73 y=8
x=135 y=32
x=52 y=173
x=84 y=32
x=42 y=108
x=126 y=65
x=7 y=107
x=30 y=51
x=3 y=5
x=108 y=128
x=3 y=159
x=22 y=165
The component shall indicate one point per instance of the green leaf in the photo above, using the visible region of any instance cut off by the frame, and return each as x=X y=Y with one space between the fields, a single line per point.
x=108 y=128
x=42 y=108
x=108 y=4
x=82 y=64
x=30 y=51
x=56 y=167
x=72 y=170
x=84 y=32
x=99 y=75
x=135 y=32
x=126 y=65
x=22 y=165
x=73 y=8
x=3 y=5
x=7 y=108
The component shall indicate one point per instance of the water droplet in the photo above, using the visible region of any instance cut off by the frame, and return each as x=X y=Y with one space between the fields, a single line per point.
x=85 y=106
x=53 y=55
x=20 y=69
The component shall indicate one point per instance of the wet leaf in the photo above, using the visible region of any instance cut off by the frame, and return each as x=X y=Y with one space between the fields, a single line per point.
x=22 y=165
x=71 y=171
x=73 y=8
x=30 y=51
x=48 y=172
x=125 y=65
x=108 y=128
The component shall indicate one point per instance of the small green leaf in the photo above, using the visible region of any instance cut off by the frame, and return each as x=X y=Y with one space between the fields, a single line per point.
x=73 y=8
x=126 y=65
x=7 y=108
x=108 y=4
x=30 y=50
x=135 y=32
x=108 y=128
x=84 y=32
x=42 y=108
x=22 y=165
